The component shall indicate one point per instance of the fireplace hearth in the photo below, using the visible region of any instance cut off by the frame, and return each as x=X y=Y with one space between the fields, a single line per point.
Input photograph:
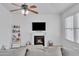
x=39 y=40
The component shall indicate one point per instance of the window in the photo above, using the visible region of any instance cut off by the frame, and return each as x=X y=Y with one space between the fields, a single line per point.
x=77 y=35
x=72 y=28
x=77 y=27
x=77 y=18
x=69 y=28
x=69 y=34
x=69 y=22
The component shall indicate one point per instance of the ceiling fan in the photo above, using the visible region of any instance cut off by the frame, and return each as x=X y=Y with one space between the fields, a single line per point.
x=25 y=8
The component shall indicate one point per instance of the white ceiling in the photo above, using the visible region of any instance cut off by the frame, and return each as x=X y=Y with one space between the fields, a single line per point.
x=43 y=8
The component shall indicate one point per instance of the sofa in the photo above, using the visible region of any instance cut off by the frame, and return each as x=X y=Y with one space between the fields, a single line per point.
x=44 y=51
x=13 y=52
x=36 y=50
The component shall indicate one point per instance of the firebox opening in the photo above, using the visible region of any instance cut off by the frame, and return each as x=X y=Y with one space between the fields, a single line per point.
x=39 y=40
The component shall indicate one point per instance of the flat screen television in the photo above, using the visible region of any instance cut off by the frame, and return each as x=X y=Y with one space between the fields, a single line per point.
x=38 y=26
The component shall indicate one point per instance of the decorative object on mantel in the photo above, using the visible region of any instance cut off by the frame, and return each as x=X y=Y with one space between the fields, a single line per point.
x=50 y=43
x=3 y=47
x=16 y=40
x=29 y=43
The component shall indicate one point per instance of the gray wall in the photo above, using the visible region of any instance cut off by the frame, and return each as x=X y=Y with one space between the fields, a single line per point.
x=8 y=19
x=70 y=48
x=52 y=27
x=5 y=27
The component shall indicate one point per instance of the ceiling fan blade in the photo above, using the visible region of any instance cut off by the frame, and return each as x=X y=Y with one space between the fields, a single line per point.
x=15 y=10
x=15 y=4
x=33 y=11
x=33 y=6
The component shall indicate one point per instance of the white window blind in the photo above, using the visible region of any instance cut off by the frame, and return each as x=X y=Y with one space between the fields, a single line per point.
x=69 y=30
x=77 y=28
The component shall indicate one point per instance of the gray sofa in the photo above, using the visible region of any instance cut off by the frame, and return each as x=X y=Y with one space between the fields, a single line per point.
x=13 y=52
x=33 y=51
x=44 y=51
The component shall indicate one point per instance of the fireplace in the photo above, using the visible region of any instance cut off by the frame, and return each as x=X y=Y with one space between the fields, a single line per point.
x=39 y=40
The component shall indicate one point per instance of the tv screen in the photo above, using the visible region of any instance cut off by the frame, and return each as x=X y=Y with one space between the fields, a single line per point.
x=38 y=26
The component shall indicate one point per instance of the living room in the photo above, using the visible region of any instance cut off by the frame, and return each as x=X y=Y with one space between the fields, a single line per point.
x=50 y=15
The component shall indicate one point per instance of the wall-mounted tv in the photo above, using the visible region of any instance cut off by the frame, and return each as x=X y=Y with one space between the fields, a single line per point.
x=38 y=26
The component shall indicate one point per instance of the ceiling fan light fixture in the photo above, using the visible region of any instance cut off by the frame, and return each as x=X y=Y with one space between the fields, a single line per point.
x=24 y=12
x=27 y=12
